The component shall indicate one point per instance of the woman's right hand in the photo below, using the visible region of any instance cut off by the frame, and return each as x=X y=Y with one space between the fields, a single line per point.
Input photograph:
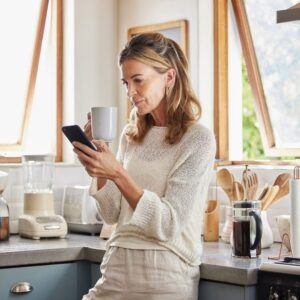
x=88 y=127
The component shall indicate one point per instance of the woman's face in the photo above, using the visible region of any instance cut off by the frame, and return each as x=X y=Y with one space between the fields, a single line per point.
x=145 y=87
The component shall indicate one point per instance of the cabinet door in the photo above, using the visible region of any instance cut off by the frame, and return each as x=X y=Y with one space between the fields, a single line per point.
x=209 y=290
x=49 y=282
x=95 y=273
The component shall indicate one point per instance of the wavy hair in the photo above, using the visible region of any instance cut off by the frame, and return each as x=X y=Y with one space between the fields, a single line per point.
x=183 y=107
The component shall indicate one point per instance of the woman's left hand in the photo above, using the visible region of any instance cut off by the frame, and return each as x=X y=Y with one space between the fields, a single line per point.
x=101 y=163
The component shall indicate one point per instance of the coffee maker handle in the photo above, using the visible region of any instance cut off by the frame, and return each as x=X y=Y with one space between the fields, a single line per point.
x=258 y=225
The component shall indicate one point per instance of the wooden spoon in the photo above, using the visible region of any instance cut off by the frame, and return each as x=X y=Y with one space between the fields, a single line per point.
x=270 y=197
x=265 y=196
x=283 y=191
x=225 y=180
x=282 y=179
x=263 y=192
x=238 y=191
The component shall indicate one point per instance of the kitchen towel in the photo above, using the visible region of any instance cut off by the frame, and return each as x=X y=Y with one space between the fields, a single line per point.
x=295 y=216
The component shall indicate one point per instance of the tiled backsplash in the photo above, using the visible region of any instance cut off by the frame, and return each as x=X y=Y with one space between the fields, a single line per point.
x=64 y=175
x=75 y=175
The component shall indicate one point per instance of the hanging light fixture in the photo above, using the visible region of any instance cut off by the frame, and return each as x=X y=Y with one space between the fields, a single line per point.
x=291 y=14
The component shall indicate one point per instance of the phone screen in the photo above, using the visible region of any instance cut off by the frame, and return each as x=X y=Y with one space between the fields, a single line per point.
x=75 y=134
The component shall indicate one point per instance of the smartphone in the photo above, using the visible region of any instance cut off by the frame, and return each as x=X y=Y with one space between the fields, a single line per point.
x=75 y=134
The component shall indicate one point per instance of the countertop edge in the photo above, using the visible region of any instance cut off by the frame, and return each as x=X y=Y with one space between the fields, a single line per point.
x=217 y=263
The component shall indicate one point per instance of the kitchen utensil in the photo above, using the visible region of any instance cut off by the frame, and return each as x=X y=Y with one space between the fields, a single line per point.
x=282 y=179
x=225 y=180
x=264 y=191
x=238 y=191
x=246 y=234
x=269 y=197
x=265 y=195
x=211 y=222
x=283 y=191
x=250 y=182
x=284 y=187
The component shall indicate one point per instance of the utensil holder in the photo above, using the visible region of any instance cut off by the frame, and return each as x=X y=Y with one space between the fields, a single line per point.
x=211 y=221
x=267 y=234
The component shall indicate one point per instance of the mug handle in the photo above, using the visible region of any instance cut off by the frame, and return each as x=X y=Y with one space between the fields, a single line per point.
x=258 y=224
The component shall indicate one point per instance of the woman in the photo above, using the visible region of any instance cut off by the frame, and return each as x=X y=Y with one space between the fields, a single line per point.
x=155 y=190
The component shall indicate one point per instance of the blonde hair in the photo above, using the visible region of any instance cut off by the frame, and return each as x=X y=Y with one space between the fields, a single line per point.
x=183 y=107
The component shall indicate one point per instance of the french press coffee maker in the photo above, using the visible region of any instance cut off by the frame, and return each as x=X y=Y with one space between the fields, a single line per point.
x=247 y=229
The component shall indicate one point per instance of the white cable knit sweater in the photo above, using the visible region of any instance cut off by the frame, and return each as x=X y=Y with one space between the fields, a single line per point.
x=175 y=181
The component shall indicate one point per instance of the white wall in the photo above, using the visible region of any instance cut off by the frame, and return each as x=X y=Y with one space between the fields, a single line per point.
x=90 y=59
x=199 y=14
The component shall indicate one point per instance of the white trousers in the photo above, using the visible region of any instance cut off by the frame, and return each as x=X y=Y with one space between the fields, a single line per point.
x=129 y=274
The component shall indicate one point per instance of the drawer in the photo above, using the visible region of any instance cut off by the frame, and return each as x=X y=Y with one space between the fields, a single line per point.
x=66 y=281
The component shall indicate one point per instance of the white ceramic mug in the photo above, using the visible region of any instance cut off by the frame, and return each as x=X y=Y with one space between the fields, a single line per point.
x=104 y=123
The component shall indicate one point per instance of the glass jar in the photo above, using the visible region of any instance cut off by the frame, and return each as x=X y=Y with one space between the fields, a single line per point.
x=247 y=229
x=38 y=171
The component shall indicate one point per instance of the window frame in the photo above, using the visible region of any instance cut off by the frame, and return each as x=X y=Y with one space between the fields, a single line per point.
x=221 y=85
x=57 y=7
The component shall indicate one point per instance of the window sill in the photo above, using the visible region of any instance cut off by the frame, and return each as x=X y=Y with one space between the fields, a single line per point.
x=259 y=163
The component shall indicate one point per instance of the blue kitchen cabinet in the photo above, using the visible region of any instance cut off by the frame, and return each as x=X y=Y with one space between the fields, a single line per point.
x=95 y=273
x=216 y=290
x=65 y=281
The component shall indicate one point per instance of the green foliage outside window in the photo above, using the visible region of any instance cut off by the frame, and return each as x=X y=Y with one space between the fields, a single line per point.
x=252 y=145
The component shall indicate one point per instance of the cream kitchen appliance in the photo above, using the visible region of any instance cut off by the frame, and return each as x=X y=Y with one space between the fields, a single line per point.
x=80 y=210
x=39 y=219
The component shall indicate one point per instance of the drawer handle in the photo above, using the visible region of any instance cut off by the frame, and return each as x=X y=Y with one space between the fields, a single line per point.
x=21 y=287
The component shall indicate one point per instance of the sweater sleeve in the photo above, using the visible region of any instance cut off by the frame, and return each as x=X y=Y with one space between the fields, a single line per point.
x=108 y=199
x=164 y=218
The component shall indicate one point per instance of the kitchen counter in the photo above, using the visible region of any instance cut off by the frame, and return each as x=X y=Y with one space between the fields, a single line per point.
x=217 y=262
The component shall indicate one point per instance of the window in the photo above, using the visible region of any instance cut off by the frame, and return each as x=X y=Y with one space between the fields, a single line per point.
x=270 y=52
x=31 y=70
